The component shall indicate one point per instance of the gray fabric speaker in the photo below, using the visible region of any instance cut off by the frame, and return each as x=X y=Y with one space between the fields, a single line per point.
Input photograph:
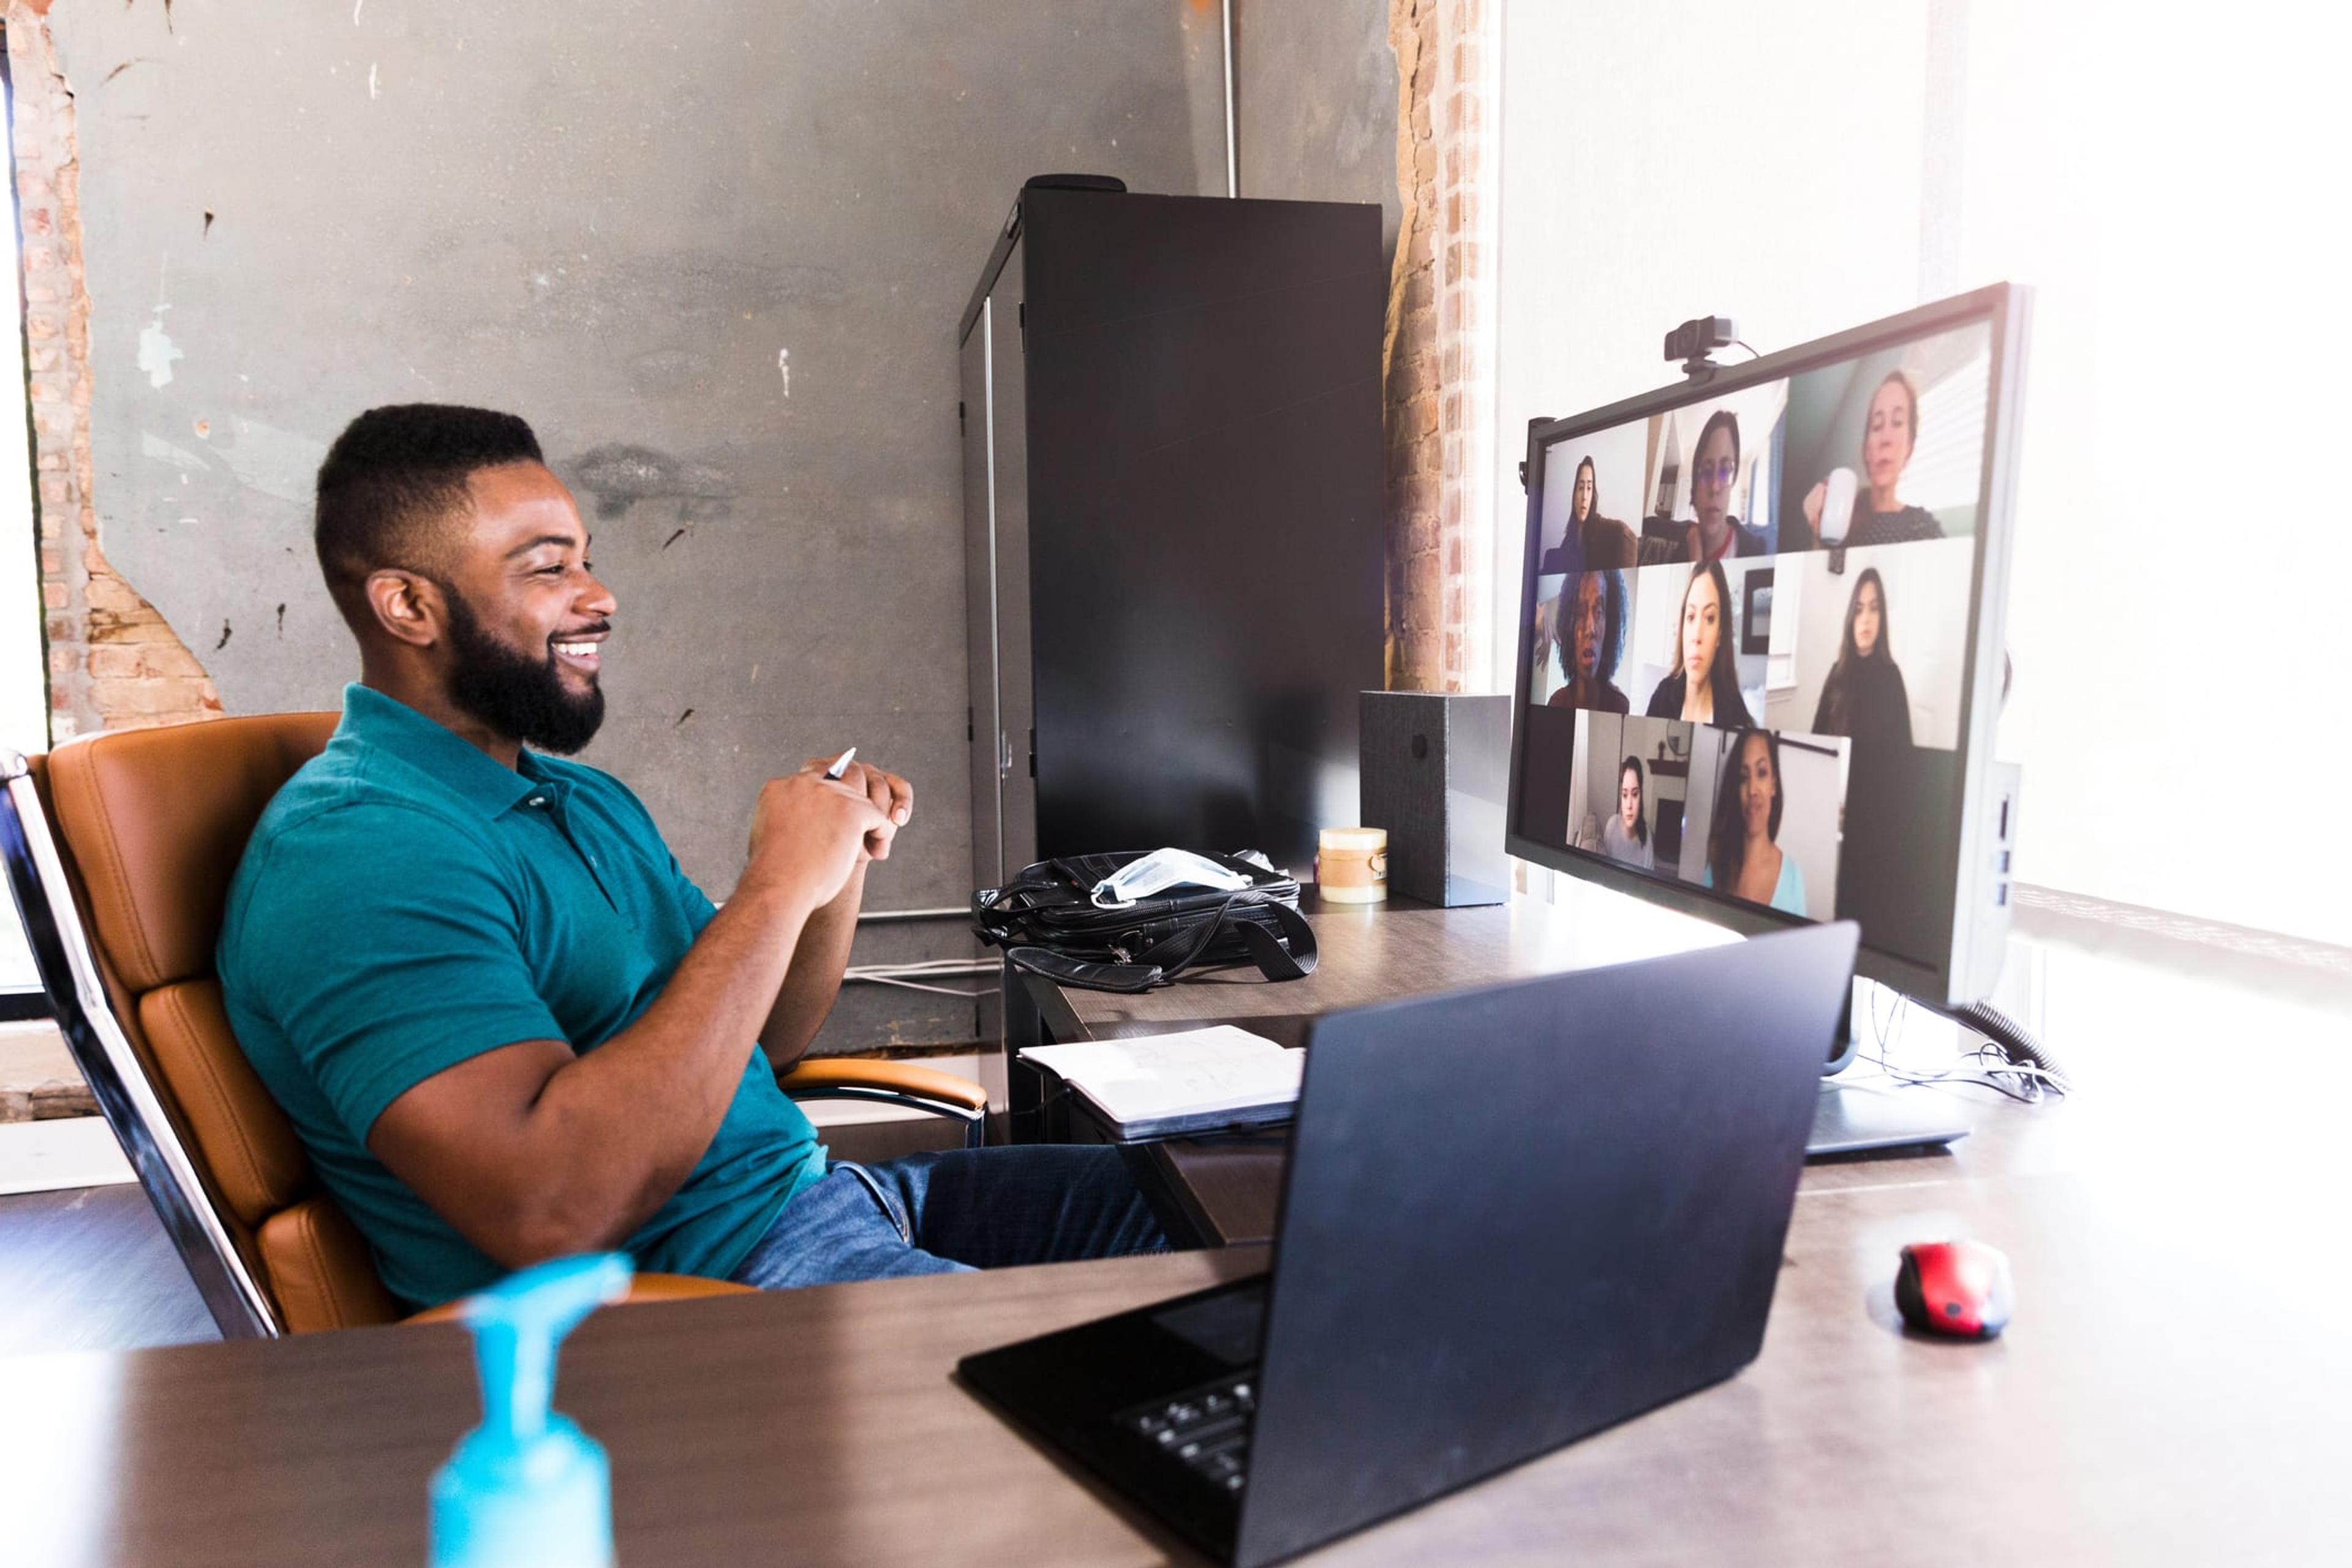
x=1435 y=770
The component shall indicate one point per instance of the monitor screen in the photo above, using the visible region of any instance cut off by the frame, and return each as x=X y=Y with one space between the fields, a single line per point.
x=1755 y=626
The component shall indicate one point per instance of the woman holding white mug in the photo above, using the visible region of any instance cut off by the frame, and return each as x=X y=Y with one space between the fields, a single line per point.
x=1849 y=509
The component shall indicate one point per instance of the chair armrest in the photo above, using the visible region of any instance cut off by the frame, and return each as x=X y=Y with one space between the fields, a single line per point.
x=905 y=1083
x=642 y=1288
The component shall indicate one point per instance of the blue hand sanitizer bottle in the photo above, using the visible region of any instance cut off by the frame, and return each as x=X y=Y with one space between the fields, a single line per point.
x=526 y=1488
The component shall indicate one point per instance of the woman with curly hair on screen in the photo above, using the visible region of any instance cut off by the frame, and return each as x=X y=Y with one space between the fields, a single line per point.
x=1592 y=609
x=1702 y=688
x=1744 y=857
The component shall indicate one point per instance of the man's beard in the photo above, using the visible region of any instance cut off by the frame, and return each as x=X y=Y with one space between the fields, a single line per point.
x=516 y=695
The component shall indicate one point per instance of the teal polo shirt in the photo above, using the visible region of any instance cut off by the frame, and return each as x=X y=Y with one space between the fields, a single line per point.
x=407 y=903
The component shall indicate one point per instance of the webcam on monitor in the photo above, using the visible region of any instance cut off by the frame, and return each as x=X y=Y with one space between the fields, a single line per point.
x=1696 y=339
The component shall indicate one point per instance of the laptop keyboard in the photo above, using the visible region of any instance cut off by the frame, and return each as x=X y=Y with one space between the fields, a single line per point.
x=1205 y=1429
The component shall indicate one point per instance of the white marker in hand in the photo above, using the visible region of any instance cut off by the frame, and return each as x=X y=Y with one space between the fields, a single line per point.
x=841 y=763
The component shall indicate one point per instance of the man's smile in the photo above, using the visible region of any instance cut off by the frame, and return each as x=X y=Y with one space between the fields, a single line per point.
x=582 y=651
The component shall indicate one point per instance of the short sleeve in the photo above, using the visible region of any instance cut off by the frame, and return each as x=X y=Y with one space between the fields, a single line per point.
x=385 y=947
x=691 y=899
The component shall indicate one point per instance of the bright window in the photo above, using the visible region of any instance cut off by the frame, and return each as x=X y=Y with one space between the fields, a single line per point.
x=2164 y=187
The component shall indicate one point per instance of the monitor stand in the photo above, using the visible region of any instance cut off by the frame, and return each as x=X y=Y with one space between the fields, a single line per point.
x=1853 y=1119
x=1850 y=1119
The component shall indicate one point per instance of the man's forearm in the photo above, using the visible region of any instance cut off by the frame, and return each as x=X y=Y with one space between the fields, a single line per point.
x=812 y=981
x=623 y=1126
x=533 y=1149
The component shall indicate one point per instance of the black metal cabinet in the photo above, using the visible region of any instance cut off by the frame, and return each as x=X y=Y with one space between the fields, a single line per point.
x=1173 y=489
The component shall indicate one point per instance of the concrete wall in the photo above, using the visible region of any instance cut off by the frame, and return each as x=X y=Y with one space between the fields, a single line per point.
x=1316 y=91
x=714 y=253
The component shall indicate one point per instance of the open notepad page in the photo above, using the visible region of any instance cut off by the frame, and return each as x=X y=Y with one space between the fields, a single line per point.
x=1162 y=1078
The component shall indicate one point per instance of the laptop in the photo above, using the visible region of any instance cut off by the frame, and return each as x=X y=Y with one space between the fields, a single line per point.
x=1512 y=1217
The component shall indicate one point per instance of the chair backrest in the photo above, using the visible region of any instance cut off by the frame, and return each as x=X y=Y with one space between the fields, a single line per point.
x=150 y=827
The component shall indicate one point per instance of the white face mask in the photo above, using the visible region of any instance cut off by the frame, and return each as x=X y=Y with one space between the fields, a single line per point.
x=1160 y=871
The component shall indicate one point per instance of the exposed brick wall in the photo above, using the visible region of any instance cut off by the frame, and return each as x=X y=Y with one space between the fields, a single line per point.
x=1437 y=541
x=114 y=664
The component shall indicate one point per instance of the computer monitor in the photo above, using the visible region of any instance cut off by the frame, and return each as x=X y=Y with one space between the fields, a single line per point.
x=1760 y=642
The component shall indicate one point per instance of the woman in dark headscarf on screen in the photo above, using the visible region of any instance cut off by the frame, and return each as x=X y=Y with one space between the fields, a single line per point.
x=1864 y=696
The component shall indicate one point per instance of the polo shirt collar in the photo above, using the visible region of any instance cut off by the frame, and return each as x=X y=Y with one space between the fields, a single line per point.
x=464 y=768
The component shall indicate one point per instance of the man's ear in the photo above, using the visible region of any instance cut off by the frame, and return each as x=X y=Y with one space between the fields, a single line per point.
x=408 y=605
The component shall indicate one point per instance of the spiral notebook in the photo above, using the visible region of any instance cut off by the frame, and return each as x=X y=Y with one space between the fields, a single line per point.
x=1165 y=1085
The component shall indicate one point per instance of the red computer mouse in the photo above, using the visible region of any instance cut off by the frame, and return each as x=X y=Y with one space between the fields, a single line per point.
x=1956 y=1288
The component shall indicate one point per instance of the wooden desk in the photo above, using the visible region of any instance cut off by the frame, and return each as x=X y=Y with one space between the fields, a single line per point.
x=2172 y=1390
x=2158 y=1400
x=1371 y=953
x=1227 y=1187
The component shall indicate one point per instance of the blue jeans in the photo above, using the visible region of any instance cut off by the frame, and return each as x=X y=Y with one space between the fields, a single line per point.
x=954 y=1212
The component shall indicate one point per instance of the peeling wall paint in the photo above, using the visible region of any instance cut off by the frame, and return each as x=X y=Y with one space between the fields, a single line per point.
x=619 y=475
x=112 y=661
x=156 y=350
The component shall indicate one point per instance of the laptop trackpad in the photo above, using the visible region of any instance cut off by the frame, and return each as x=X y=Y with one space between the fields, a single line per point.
x=1223 y=1326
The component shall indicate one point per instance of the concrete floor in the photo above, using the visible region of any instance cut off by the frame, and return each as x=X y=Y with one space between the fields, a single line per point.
x=91 y=1269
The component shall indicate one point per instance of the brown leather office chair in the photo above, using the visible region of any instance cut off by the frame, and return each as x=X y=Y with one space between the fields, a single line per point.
x=149 y=828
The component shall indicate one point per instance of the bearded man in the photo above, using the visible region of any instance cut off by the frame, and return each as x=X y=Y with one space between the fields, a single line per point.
x=504 y=1023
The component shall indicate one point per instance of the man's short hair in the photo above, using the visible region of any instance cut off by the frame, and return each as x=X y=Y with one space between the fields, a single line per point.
x=392 y=478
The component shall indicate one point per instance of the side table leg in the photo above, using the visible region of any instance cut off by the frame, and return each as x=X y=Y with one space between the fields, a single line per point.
x=1022 y=1026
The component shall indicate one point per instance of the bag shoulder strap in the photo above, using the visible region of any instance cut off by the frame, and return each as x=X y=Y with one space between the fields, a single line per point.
x=1127 y=978
x=1292 y=956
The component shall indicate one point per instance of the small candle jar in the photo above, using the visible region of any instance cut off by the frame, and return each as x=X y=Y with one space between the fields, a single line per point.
x=1352 y=865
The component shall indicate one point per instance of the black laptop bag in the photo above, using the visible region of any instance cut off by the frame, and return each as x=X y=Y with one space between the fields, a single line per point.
x=1046 y=922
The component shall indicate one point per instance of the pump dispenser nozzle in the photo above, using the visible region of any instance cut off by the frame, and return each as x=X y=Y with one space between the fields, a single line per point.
x=526 y=1488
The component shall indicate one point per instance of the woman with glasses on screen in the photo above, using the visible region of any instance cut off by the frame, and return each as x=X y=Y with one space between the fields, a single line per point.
x=1703 y=686
x=1864 y=696
x=1715 y=473
x=1743 y=857
x=1607 y=541
x=1593 y=605
x=1625 y=837
x=1890 y=434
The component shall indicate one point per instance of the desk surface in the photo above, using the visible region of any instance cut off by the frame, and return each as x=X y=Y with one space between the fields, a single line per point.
x=2126 y=1417
x=1229 y=1186
x=1371 y=951
x=2171 y=1392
